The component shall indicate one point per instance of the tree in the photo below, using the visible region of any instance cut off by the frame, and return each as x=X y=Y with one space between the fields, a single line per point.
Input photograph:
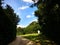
x=49 y=18
x=8 y=22
x=32 y=28
x=20 y=31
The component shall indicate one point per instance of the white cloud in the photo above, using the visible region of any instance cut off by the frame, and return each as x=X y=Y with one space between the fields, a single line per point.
x=28 y=1
x=21 y=26
x=36 y=1
x=33 y=13
x=17 y=13
x=23 y=7
x=28 y=16
x=33 y=20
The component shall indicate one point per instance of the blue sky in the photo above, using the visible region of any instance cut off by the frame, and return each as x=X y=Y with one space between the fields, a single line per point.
x=21 y=8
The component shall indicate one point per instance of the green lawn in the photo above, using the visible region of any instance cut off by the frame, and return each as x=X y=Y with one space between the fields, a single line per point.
x=32 y=37
x=37 y=38
x=34 y=34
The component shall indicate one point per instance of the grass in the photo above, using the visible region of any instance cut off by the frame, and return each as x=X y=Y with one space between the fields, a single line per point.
x=34 y=34
x=37 y=38
x=32 y=37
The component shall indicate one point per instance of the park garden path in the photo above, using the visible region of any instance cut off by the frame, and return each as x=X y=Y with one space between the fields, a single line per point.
x=22 y=41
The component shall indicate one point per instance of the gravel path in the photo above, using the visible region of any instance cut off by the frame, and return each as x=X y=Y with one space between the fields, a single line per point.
x=22 y=41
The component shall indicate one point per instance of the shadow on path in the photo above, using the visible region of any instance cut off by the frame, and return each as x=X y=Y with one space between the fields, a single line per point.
x=22 y=41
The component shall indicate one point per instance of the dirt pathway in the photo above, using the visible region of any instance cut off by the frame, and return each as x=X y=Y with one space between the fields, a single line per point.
x=22 y=41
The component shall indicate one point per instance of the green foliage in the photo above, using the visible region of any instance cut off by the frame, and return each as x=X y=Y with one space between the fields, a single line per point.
x=38 y=38
x=8 y=22
x=32 y=28
x=33 y=36
x=11 y=15
x=20 y=31
x=49 y=19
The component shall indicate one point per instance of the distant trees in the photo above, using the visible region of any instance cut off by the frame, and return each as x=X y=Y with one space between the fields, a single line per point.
x=8 y=22
x=48 y=14
x=20 y=31
x=32 y=28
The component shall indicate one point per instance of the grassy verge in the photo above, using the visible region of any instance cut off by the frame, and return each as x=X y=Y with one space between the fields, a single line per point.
x=32 y=37
x=37 y=38
x=26 y=35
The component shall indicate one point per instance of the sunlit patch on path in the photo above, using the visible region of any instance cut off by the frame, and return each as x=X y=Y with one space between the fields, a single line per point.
x=22 y=41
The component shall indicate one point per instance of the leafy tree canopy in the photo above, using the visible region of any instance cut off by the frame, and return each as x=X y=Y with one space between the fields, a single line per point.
x=33 y=27
x=49 y=18
x=8 y=22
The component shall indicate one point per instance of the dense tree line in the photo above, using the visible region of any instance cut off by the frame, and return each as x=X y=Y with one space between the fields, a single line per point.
x=8 y=22
x=20 y=31
x=48 y=14
x=31 y=28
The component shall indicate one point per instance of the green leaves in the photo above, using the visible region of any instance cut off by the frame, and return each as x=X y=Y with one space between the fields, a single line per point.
x=48 y=17
x=11 y=15
x=33 y=27
x=8 y=22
